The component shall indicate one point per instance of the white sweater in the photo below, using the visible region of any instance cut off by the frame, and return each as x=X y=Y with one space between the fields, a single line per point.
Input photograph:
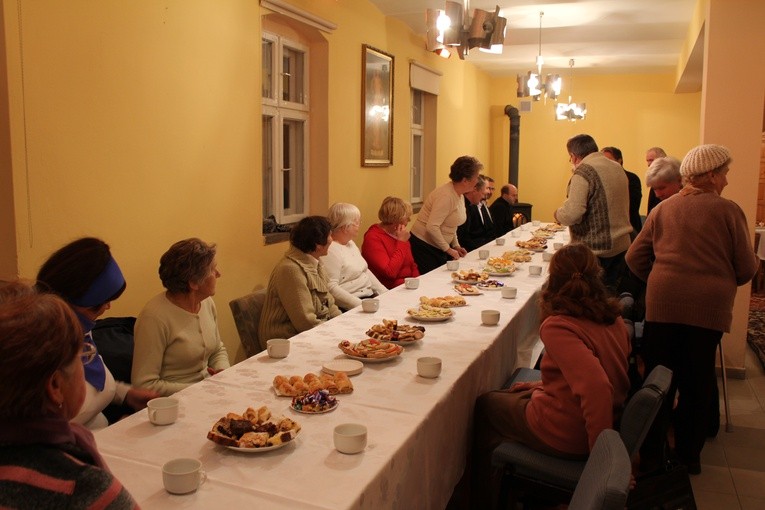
x=349 y=276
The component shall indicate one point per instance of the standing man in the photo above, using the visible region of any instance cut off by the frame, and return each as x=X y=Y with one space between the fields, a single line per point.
x=478 y=228
x=636 y=193
x=597 y=207
x=502 y=210
x=650 y=155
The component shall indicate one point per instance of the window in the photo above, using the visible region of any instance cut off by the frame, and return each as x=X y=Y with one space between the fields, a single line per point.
x=285 y=128
x=417 y=162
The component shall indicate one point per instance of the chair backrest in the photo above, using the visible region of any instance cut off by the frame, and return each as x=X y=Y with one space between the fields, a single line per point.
x=605 y=480
x=642 y=408
x=246 y=311
x=114 y=339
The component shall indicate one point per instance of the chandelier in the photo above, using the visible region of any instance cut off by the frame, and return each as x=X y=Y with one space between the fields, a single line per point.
x=570 y=111
x=531 y=84
x=451 y=29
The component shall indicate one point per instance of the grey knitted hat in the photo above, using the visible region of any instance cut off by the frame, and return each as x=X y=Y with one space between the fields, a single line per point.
x=703 y=159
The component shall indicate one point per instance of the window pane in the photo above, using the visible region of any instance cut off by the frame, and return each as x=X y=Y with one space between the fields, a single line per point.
x=293 y=167
x=268 y=166
x=268 y=69
x=293 y=75
x=416 y=166
x=417 y=107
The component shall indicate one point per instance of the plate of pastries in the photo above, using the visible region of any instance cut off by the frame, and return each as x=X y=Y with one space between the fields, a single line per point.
x=520 y=255
x=468 y=276
x=296 y=386
x=392 y=331
x=427 y=313
x=443 y=302
x=467 y=289
x=533 y=244
x=253 y=431
x=370 y=350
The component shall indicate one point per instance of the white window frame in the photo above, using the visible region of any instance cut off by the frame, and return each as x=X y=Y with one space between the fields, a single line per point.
x=280 y=111
x=417 y=131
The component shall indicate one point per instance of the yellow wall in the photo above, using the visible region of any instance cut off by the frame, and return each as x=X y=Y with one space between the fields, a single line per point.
x=139 y=122
x=631 y=112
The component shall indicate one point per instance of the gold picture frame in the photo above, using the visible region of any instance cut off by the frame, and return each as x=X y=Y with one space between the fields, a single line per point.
x=376 y=107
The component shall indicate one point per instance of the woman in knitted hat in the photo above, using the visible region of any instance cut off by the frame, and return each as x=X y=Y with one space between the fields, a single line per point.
x=693 y=251
x=87 y=277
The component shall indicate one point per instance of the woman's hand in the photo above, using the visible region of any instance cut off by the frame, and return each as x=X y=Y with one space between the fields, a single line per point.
x=212 y=371
x=453 y=253
x=401 y=233
x=462 y=251
x=137 y=398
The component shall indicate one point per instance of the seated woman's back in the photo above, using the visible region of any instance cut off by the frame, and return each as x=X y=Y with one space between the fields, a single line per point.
x=584 y=381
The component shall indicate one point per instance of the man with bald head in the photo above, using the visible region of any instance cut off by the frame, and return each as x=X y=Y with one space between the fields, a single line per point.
x=502 y=210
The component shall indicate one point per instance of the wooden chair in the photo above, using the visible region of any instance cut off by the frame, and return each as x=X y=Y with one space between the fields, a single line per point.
x=246 y=311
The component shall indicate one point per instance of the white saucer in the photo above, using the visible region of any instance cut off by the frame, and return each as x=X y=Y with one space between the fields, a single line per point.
x=349 y=366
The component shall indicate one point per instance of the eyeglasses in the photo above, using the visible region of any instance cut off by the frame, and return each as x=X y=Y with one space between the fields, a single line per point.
x=89 y=353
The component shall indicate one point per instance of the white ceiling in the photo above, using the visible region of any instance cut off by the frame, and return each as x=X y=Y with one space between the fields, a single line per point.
x=603 y=36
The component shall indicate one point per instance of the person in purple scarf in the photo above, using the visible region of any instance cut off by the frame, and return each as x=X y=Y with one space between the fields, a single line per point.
x=45 y=460
x=87 y=277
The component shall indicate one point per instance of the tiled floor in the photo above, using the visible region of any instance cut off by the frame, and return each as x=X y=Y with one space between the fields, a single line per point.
x=733 y=464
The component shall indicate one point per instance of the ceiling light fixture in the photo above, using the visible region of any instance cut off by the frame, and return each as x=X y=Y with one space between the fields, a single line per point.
x=570 y=111
x=531 y=85
x=452 y=29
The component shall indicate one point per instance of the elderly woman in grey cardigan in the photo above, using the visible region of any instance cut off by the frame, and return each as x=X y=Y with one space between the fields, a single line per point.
x=298 y=296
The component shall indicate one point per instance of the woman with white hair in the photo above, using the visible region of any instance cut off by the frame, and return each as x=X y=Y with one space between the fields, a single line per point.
x=350 y=279
x=663 y=177
x=693 y=251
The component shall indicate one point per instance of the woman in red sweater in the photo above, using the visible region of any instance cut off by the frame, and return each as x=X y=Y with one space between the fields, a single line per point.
x=584 y=372
x=386 y=245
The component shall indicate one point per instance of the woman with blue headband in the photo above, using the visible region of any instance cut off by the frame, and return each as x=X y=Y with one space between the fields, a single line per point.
x=87 y=277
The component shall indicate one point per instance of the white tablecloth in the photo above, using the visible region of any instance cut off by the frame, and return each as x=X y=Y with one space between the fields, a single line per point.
x=419 y=429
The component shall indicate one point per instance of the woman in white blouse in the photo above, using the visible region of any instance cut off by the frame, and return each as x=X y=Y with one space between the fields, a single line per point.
x=350 y=279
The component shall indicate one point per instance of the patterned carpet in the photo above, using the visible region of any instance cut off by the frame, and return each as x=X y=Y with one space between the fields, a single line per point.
x=756 y=332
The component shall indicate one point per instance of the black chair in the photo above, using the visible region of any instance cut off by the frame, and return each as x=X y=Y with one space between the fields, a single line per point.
x=530 y=473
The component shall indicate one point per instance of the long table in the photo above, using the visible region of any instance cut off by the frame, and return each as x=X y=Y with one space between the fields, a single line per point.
x=419 y=429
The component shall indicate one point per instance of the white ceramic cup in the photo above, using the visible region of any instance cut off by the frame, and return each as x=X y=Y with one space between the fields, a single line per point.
x=181 y=476
x=536 y=223
x=500 y=241
x=557 y=246
x=278 y=347
x=546 y=256
x=453 y=265
x=411 y=283
x=350 y=438
x=515 y=233
x=429 y=367
x=535 y=270
x=490 y=317
x=370 y=305
x=509 y=292
x=483 y=254
x=162 y=410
